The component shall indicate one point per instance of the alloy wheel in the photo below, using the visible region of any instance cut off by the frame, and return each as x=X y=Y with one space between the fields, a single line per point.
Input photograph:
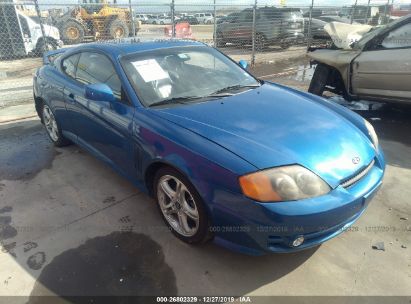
x=50 y=123
x=178 y=205
x=73 y=33
x=259 y=42
x=119 y=32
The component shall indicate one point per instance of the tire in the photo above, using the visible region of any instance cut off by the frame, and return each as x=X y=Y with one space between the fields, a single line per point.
x=260 y=42
x=72 y=32
x=118 y=29
x=52 y=128
x=180 y=215
x=319 y=80
x=45 y=46
x=220 y=42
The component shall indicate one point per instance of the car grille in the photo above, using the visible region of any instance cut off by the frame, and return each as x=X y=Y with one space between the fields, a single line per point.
x=357 y=176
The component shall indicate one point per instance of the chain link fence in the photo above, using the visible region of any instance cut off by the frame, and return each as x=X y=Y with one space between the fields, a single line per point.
x=255 y=30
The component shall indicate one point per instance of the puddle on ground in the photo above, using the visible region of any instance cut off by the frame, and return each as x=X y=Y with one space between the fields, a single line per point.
x=122 y=263
x=25 y=150
x=304 y=73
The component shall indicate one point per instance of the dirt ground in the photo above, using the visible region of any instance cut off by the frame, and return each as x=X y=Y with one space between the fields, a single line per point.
x=69 y=225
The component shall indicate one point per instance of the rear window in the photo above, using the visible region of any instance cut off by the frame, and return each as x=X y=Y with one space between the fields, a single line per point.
x=292 y=14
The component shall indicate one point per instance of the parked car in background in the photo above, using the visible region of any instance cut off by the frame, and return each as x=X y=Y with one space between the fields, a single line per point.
x=26 y=38
x=363 y=14
x=282 y=26
x=229 y=18
x=255 y=166
x=161 y=19
x=33 y=37
x=317 y=29
x=205 y=18
x=189 y=19
x=376 y=67
x=328 y=18
x=152 y=19
x=142 y=17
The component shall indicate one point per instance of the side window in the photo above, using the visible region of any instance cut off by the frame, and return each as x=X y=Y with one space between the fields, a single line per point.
x=69 y=65
x=399 y=38
x=246 y=16
x=97 y=68
x=271 y=14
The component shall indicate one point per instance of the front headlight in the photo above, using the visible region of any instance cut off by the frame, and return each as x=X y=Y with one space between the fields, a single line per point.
x=372 y=134
x=288 y=183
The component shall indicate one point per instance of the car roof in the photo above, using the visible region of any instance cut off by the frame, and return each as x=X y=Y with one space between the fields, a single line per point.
x=129 y=45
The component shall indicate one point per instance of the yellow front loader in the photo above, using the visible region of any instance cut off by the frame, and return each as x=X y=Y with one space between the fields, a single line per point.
x=96 y=20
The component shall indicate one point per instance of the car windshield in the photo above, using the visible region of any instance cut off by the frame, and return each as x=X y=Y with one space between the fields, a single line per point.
x=189 y=74
x=366 y=37
x=375 y=32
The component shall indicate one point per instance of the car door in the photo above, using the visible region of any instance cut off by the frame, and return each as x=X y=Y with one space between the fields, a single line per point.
x=103 y=128
x=27 y=35
x=243 y=28
x=385 y=70
x=68 y=66
x=269 y=22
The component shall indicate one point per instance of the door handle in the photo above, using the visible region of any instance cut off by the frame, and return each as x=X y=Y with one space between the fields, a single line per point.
x=71 y=97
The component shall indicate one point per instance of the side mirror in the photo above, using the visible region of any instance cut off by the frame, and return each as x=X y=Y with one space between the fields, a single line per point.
x=99 y=92
x=243 y=63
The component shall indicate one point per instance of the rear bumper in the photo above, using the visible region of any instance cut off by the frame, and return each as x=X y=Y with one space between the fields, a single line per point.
x=255 y=228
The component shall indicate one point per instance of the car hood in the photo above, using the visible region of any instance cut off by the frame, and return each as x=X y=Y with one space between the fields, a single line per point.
x=273 y=126
x=343 y=34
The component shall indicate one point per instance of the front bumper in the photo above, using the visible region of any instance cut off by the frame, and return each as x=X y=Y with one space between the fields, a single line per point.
x=257 y=228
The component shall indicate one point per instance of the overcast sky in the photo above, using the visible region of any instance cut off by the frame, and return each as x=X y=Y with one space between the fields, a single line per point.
x=239 y=2
x=146 y=6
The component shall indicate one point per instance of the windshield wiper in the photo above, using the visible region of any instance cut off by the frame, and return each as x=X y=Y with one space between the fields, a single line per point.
x=234 y=87
x=174 y=100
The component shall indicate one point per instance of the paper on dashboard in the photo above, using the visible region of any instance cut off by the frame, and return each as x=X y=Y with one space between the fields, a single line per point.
x=150 y=70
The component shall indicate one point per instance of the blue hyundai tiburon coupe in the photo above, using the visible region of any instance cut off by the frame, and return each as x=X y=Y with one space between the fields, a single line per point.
x=254 y=165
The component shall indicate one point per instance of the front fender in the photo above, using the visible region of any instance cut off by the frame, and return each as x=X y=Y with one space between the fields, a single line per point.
x=338 y=59
x=209 y=167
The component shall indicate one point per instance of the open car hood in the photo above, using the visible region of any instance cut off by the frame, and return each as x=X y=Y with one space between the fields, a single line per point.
x=343 y=34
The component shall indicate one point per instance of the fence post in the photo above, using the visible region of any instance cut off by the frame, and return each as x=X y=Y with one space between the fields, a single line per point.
x=387 y=11
x=215 y=25
x=353 y=11
x=173 y=20
x=133 y=23
x=253 y=34
x=309 y=25
x=390 y=13
x=367 y=12
x=37 y=8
